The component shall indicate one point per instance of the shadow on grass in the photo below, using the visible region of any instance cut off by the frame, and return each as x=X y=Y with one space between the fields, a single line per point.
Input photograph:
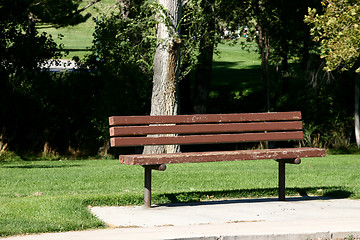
x=75 y=50
x=225 y=75
x=267 y=194
x=217 y=197
x=42 y=166
x=222 y=64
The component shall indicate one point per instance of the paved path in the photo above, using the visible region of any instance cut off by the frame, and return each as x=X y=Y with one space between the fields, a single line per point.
x=297 y=218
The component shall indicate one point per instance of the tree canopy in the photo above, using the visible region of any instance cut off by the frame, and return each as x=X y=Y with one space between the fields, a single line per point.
x=68 y=111
x=337 y=30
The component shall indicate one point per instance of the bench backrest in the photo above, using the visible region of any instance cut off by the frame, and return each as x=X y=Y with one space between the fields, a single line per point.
x=205 y=128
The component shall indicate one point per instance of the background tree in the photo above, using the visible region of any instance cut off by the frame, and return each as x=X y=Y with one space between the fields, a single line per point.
x=122 y=62
x=20 y=56
x=27 y=89
x=200 y=36
x=338 y=32
x=57 y=13
x=207 y=41
x=281 y=35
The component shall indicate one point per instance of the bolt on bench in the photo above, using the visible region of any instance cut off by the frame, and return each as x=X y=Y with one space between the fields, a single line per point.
x=209 y=129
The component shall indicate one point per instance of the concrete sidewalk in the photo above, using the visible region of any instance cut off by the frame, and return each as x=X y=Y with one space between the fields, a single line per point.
x=297 y=218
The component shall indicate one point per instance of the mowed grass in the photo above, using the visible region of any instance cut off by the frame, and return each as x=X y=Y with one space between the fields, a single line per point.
x=78 y=39
x=236 y=79
x=52 y=196
x=237 y=68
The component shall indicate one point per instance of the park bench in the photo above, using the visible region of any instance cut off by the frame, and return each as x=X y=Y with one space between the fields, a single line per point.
x=210 y=129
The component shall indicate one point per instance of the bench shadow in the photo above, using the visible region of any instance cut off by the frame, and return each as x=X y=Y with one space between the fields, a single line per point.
x=244 y=196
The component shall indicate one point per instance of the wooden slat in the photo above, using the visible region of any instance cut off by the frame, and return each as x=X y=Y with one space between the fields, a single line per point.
x=204 y=118
x=239 y=155
x=206 y=139
x=205 y=128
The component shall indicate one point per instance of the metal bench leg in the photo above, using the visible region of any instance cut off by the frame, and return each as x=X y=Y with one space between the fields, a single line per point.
x=147 y=190
x=281 y=181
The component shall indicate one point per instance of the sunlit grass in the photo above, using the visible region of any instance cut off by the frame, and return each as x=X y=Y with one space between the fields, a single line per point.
x=53 y=196
x=78 y=39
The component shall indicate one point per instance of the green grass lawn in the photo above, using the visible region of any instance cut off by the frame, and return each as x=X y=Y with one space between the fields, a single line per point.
x=236 y=78
x=52 y=196
x=237 y=68
x=78 y=39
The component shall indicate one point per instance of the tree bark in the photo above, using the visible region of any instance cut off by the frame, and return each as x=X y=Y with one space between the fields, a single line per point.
x=357 y=109
x=31 y=24
x=264 y=45
x=165 y=94
x=86 y=7
x=124 y=8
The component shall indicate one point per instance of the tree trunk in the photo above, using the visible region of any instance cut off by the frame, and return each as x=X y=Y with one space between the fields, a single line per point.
x=124 y=8
x=186 y=100
x=165 y=94
x=204 y=67
x=285 y=72
x=264 y=46
x=31 y=24
x=305 y=55
x=203 y=78
x=357 y=109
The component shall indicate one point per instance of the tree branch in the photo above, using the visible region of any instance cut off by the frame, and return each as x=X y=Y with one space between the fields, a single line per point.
x=184 y=2
x=86 y=7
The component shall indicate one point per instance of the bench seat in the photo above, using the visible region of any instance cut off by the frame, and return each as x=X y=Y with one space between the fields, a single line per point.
x=238 y=155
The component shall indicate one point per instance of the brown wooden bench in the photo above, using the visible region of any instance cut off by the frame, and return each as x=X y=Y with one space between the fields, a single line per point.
x=210 y=129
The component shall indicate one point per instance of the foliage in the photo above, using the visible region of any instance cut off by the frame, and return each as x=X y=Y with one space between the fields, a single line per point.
x=39 y=111
x=66 y=113
x=121 y=61
x=198 y=32
x=282 y=36
x=326 y=109
x=338 y=31
x=6 y=155
x=119 y=40
x=39 y=108
x=21 y=53
x=289 y=34
x=296 y=81
x=58 y=13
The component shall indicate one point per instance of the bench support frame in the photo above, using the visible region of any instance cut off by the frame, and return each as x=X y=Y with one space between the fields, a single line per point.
x=147 y=189
x=147 y=181
x=281 y=180
x=282 y=164
x=148 y=170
